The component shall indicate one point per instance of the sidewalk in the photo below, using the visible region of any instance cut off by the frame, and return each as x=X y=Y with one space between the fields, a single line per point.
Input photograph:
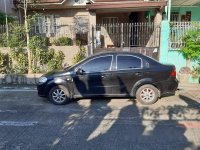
x=18 y=87
x=192 y=89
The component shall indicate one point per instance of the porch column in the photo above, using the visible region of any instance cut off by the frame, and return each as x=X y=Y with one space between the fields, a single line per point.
x=91 y=34
x=158 y=17
x=164 y=41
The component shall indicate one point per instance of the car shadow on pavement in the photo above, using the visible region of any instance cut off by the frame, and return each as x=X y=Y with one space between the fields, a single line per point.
x=104 y=125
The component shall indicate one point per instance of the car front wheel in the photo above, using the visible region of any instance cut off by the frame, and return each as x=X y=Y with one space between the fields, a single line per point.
x=59 y=95
x=147 y=94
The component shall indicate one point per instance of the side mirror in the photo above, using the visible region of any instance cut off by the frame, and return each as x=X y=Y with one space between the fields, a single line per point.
x=80 y=71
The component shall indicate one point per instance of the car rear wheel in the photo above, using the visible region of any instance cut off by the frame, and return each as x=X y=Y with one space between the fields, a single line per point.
x=147 y=94
x=59 y=95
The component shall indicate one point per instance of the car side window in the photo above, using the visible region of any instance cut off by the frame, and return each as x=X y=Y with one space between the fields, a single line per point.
x=99 y=64
x=126 y=62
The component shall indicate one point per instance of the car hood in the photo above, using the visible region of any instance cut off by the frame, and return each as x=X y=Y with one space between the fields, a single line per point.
x=57 y=73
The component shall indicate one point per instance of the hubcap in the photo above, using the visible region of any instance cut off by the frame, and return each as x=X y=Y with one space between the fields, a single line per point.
x=147 y=94
x=58 y=95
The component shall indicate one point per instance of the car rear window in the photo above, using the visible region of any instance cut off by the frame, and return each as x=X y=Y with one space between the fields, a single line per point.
x=126 y=62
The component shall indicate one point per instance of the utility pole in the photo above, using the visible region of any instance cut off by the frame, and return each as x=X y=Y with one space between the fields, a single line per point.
x=5 y=7
x=169 y=10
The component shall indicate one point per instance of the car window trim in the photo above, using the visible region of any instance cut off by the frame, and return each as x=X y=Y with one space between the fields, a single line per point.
x=93 y=59
x=116 y=66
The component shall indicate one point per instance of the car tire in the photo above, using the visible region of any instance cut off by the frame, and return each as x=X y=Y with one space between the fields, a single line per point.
x=147 y=94
x=59 y=95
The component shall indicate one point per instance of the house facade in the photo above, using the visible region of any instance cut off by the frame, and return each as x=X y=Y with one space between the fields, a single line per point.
x=8 y=7
x=76 y=18
x=184 y=17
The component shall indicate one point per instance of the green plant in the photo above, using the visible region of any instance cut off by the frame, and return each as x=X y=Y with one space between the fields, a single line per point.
x=20 y=61
x=191 y=49
x=56 y=61
x=4 y=63
x=38 y=49
x=63 y=41
x=196 y=70
x=16 y=36
x=3 y=40
x=80 y=55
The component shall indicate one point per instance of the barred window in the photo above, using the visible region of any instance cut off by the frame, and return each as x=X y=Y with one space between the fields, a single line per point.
x=47 y=24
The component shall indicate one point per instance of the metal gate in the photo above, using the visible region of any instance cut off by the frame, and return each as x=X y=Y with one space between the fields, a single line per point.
x=127 y=35
x=143 y=37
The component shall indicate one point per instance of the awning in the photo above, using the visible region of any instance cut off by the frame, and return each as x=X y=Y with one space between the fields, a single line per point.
x=125 y=4
x=185 y=2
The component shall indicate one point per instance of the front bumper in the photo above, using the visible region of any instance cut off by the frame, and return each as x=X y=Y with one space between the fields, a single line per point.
x=41 y=90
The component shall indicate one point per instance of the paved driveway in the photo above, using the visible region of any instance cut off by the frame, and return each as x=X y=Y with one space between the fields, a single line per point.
x=28 y=122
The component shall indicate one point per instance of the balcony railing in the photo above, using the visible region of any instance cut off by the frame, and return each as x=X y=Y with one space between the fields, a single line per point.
x=178 y=30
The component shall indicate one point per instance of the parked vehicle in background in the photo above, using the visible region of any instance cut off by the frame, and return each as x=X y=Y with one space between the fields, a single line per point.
x=111 y=74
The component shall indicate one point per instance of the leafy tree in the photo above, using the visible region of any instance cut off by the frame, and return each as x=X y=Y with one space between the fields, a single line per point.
x=191 y=49
x=23 y=4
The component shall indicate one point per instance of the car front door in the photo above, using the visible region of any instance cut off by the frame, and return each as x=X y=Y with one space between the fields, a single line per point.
x=93 y=77
x=128 y=70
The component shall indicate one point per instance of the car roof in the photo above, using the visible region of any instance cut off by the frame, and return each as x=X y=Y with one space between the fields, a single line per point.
x=117 y=52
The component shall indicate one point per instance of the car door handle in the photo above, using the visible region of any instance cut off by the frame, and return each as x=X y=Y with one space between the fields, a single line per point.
x=105 y=75
x=138 y=73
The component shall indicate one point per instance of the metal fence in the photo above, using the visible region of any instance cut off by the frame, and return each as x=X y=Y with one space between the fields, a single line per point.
x=178 y=30
x=142 y=34
x=55 y=31
x=2 y=29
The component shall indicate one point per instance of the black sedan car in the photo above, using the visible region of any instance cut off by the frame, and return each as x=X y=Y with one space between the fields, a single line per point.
x=111 y=74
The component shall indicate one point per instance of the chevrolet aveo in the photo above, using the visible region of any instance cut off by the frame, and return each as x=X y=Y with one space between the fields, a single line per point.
x=113 y=74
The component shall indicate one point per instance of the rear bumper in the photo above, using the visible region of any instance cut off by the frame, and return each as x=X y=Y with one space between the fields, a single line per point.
x=168 y=87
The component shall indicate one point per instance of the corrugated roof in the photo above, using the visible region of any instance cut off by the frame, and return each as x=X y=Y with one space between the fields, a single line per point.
x=117 y=4
x=185 y=2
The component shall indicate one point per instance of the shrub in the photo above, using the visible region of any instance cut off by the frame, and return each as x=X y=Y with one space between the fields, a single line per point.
x=191 y=49
x=16 y=36
x=80 y=55
x=3 y=40
x=20 y=61
x=4 y=63
x=56 y=62
x=63 y=41
x=196 y=70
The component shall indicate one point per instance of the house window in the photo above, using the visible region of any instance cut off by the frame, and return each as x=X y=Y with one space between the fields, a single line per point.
x=175 y=16
x=47 y=24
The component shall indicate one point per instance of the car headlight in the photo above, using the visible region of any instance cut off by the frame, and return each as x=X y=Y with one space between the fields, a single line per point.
x=42 y=80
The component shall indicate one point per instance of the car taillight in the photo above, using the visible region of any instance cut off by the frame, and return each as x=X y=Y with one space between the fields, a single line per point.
x=173 y=73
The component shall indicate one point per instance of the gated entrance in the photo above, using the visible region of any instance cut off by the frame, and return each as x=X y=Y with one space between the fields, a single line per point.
x=143 y=37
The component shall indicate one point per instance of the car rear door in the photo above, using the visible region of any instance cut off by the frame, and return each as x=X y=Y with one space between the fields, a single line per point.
x=128 y=70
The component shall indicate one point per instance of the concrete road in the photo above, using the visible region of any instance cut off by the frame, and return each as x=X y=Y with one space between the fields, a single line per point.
x=28 y=122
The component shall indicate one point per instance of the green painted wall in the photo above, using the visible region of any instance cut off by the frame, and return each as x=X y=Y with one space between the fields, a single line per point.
x=169 y=56
x=195 y=11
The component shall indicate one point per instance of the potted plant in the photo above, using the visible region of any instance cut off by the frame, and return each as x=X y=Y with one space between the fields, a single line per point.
x=184 y=74
x=196 y=72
